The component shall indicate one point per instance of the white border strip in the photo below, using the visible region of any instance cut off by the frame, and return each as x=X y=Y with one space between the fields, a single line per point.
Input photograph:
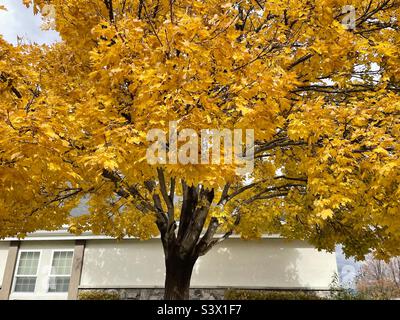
x=63 y=234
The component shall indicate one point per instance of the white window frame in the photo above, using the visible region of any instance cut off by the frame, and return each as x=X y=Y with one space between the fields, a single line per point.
x=49 y=275
x=26 y=276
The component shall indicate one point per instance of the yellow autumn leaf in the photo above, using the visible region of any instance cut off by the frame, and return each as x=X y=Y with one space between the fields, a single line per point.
x=326 y=213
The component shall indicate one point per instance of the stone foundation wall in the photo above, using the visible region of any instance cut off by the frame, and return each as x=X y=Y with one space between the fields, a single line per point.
x=158 y=293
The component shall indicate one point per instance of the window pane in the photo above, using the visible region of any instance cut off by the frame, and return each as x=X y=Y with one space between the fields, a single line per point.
x=25 y=284
x=58 y=284
x=62 y=262
x=28 y=263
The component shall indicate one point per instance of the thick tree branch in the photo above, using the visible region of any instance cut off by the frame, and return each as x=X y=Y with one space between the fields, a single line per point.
x=291 y=178
x=196 y=224
x=278 y=143
x=300 y=60
x=270 y=196
x=224 y=194
x=208 y=242
x=205 y=241
x=144 y=205
x=109 y=6
x=168 y=201
x=281 y=189
x=189 y=203
x=163 y=188
x=14 y=90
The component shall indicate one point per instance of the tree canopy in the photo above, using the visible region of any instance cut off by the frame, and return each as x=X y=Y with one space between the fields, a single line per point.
x=322 y=98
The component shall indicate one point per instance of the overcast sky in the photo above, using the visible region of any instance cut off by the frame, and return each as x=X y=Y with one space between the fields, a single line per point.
x=20 y=21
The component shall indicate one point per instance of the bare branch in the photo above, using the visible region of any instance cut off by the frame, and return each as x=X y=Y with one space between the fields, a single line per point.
x=302 y=59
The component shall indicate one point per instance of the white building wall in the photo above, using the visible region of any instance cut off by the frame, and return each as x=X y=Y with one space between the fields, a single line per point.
x=46 y=249
x=109 y=263
x=265 y=263
x=3 y=259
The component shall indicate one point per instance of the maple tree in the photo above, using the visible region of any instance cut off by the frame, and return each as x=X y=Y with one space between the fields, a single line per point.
x=322 y=98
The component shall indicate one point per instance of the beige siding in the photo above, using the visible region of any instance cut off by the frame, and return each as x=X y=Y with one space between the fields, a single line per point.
x=265 y=263
x=234 y=263
x=3 y=259
x=126 y=263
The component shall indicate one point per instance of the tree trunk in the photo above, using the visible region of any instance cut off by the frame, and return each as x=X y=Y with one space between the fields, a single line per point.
x=182 y=248
x=178 y=275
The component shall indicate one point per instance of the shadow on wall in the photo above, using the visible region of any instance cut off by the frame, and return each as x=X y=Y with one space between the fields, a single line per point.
x=125 y=263
x=254 y=263
x=234 y=263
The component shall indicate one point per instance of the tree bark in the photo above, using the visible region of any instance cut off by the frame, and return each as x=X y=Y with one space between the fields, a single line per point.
x=178 y=275
x=182 y=247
